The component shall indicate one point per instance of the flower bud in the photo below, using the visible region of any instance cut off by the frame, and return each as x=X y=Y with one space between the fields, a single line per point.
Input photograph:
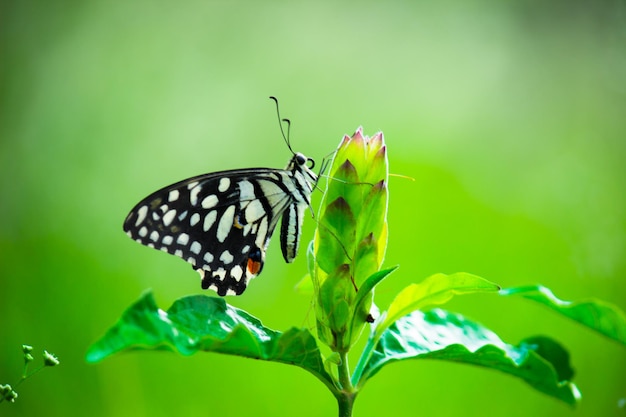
x=351 y=237
x=7 y=393
x=49 y=359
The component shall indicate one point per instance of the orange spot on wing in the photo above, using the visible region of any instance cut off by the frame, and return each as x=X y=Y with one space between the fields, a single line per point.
x=254 y=267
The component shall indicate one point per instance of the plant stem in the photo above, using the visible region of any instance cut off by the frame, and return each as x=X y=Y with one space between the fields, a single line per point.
x=345 y=401
x=26 y=375
x=345 y=397
x=344 y=372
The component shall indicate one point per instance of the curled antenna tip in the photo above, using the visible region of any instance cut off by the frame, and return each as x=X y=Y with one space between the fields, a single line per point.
x=280 y=124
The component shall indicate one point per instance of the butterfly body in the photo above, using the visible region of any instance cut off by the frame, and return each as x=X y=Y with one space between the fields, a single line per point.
x=222 y=222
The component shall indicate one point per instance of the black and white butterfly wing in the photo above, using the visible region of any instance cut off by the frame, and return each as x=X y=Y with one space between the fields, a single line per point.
x=221 y=223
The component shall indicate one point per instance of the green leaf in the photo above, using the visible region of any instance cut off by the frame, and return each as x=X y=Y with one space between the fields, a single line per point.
x=434 y=290
x=554 y=353
x=598 y=315
x=438 y=334
x=201 y=323
x=364 y=309
x=335 y=298
x=333 y=308
x=370 y=283
x=372 y=220
x=365 y=261
x=337 y=236
x=343 y=186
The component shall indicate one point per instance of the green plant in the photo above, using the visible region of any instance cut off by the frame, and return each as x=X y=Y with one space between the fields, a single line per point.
x=8 y=392
x=345 y=260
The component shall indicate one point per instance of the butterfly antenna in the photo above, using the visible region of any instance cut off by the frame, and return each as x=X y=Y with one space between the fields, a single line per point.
x=280 y=124
x=288 y=140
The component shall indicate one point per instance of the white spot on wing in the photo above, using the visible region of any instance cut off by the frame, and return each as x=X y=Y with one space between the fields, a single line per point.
x=168 y=217
x=154 y=236
x=209 y=219
x=173 y=196
x=208 y=257
x=143 y=232
x=262 y=233
x=191 y=185
x=236 y=272
x=254 y=211
x=225 y=224
x=195 y=247
x=224 y=184
x=183 y=215
x=141 y=215
x=194 y=219
x=183 y=239
x=220 y=273
x=178 y=253
x=246 y=191
x=226 y=257
x=167 y=240
x=193 y=195
x=209 y=201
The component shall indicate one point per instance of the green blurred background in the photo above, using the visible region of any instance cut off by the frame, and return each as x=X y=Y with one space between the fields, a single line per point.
x=510 y=116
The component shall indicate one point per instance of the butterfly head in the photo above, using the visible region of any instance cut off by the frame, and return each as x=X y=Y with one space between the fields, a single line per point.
x=302 y=166
x=300 y=160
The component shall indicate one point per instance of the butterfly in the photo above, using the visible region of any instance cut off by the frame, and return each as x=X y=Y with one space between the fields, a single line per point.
x=221 y=222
